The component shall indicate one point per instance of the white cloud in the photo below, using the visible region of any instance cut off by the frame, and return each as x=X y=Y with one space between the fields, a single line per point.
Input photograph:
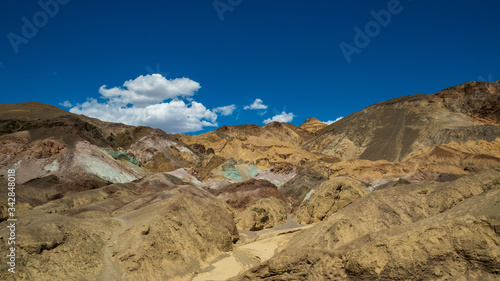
x=66 y=104
x=173 y=117
x=329 y=122
x=225 y=110
x=143 y=102
x=257 y=104
x=283 y=117
x=150 y=89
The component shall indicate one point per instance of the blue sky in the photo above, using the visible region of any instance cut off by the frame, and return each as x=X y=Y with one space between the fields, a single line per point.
x=232 y=52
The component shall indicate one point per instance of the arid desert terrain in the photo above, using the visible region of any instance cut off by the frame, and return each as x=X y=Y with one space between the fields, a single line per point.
x=405 y=189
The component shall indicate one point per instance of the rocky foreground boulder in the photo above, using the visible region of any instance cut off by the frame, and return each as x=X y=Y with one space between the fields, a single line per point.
x=242 y=195
x=432 y=231
x=328 y=198
x=265 y=213
x=257 y=204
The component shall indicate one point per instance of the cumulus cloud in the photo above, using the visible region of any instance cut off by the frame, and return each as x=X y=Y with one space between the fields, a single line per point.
x=148 y=90
x=175 y=116
x=225 y=110
x=66 y=104
x=283 y=117
x=329 y=122
x=152 y=100
x=256 y=105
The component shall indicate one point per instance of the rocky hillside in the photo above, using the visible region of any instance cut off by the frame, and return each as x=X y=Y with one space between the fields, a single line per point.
x=312 y=125
x=261 y=146
x=425 y=232
x=152 y=229
x=393 y=129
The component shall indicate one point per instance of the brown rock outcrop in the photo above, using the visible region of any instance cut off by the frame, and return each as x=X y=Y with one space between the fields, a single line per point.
x=265 y=213
x=173 y=237
x=312 y=125
x=328 y=198
x=298 y=187
x=261 y=146
x=242 y=195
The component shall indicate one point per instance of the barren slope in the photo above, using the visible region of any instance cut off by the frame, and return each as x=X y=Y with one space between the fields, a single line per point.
x=393 y=129
x=151 y=229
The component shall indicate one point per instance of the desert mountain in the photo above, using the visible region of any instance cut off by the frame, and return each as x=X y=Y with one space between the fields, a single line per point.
x=393 y=129
x=261 y=146
x=404 y=189
x=45 y=140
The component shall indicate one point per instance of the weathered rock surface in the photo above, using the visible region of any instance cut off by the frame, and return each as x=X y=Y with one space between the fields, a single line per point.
x=278 y=174
x=54 y=247
x=369 y=171
x=258 y=204
x=297 y=188
x=434 y=231
x=172 y=238
x=242 y=195
x=328 y=198
x=234 y=171
x=265 y=213
x=155 y=228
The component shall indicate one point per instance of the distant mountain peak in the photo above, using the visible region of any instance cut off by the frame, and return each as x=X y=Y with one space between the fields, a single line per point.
x=312 y=125
x=30 y=111
x=312 y=119
x=392 y=129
